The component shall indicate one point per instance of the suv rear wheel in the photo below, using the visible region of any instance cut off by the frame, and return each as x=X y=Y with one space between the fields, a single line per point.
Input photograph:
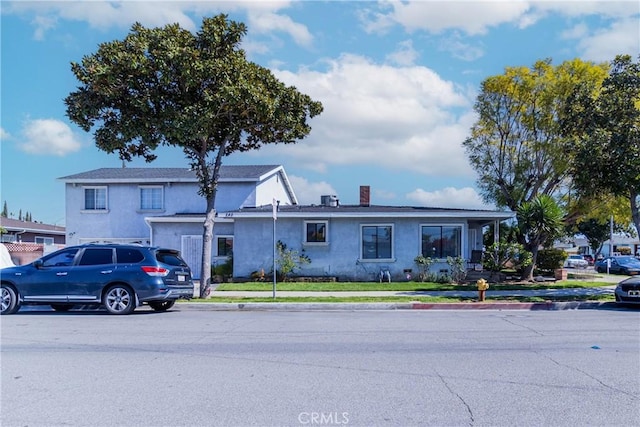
x=119 y=299
x=161 y=305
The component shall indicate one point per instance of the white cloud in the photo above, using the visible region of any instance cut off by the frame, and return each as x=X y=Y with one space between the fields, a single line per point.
x=405 y=118
x=477 y=17
x=268 y=22
x=103 y=15
x=460 y=49
x=309 y=193
x=437 y=16
x=449 y=197
x=405 y=54
x=622 y=37
x=4 y=134
x=48 y=137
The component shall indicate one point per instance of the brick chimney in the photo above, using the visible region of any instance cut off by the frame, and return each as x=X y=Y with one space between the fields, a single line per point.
x=364 y=195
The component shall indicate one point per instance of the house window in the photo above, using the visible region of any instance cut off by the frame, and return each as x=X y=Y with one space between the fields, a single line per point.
x=377 y=241
x=95 y=198
x=151 y=198
x=44 y=240
x=316 y=232
x=441 y=241
x=225 y=246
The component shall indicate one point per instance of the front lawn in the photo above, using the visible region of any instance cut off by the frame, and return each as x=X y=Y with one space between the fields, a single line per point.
x=400 y=286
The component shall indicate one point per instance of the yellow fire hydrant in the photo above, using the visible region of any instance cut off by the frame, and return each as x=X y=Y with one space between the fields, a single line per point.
x=482 y=287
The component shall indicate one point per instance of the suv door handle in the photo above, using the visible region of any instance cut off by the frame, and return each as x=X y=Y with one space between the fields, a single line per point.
x=61 y=273
x=106 y=271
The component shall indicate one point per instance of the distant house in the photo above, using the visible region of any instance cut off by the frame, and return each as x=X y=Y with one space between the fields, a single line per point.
x=26 y=241
x=161 y=206
x=15 y=231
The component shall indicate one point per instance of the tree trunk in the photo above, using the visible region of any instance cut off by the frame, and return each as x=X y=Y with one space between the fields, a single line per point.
x=527 y=272
x=635 y=209
x=207 y=241
x=210 y=188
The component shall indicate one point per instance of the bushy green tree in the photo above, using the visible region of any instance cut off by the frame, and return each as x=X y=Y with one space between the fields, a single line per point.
x=168 y=86
x=605 y=127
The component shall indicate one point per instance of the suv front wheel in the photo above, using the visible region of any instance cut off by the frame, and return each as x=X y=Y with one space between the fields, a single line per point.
x=8 y=300
x=119 y=299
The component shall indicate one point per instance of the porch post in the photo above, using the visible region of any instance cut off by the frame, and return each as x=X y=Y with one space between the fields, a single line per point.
x=496 y=236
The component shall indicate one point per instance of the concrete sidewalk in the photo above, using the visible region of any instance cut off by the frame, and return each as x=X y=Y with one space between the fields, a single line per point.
x=603 y=290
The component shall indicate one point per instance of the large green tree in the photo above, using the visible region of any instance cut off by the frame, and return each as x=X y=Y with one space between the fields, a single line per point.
x=605 y=126
x=169 y=86
x=516 y=146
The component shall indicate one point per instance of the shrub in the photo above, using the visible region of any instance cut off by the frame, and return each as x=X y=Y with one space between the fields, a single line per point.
x=500 y=255
x=423 y=263
x=288 y=260
x=550 y=259
x=457 y=269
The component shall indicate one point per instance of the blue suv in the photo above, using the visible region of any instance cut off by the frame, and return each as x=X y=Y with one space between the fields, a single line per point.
x=119 y=277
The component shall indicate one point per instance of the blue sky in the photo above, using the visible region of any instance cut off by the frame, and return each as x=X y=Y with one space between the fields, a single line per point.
x=397 y=80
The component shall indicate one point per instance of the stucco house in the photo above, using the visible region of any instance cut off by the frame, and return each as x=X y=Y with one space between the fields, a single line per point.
x=358 y=242
x=161 y=206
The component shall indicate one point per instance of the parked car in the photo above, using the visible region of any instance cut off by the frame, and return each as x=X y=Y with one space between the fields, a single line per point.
x=118 y=277
x=624 y=264
x=628 y=291
x=589 y=259
x=576 y=261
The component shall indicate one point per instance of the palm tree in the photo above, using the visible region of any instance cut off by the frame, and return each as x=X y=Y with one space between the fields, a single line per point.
x=541 y=221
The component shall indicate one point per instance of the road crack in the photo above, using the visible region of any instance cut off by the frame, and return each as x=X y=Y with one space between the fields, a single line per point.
x=457 y=395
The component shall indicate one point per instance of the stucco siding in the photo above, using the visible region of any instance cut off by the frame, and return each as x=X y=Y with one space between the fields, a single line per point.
x=341 y=255
x=270 y=189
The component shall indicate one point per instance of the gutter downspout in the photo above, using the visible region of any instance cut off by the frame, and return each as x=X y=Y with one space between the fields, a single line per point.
x=148 y=222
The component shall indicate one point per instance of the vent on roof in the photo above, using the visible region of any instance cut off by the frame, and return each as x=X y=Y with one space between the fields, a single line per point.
x=329 y=200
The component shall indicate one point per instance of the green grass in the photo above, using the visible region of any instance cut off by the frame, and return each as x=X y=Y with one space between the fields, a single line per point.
x=397 y=299
x=398 y=286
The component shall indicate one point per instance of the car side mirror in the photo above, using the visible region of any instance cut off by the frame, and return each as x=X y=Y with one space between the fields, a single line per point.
x=37 y=264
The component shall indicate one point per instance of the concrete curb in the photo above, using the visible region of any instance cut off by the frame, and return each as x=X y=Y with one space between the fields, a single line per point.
x=259 y=306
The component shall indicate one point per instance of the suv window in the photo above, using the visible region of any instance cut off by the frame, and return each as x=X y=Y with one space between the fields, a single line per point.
x=170 y=257
x=128 y=256
x=97 y=256
x=60 y=259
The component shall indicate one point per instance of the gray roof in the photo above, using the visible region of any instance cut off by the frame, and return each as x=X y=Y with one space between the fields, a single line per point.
x=346 y=211
x=227 y=173
x=11 y=224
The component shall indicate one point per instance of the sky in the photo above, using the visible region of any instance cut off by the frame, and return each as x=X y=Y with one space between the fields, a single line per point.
x=397 y=79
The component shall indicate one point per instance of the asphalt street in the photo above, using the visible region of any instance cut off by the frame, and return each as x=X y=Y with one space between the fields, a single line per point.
x=304 y=368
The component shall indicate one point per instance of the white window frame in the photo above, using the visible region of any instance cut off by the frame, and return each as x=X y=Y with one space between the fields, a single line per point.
x=221 y=236
x=393 y=237
x=444 y=224
x=326 y=233
x=95 y=210
x=151 y=187
x=44 y=240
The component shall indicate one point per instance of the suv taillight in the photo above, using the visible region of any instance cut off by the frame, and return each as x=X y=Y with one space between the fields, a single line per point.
x=155 y=271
